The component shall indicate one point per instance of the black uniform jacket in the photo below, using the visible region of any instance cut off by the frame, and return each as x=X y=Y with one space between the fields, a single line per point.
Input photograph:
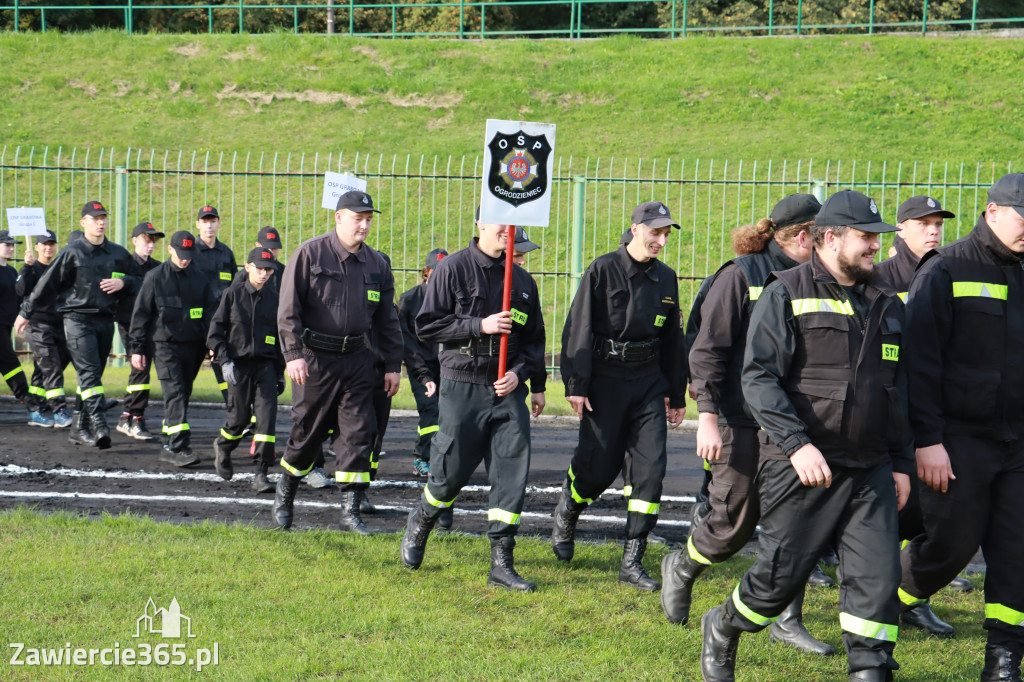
x=173 y=306
x=465 y=288
x=624 y=300
x=899 y=270
x=420 y=358
x=28 y=277
x=816 y=372
x=244 y=325
x=965 y=323
x=126 y=304
x=218 y=263
x=693 y=324
x=716 y=358
x=329 y=290
x=8 y=298
x=73 y=280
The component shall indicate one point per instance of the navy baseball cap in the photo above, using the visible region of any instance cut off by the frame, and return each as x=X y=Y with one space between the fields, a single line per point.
x=919 y=207
x=269 y=237
x=434 y=257
x=46 y=237
x=357 y=201
x=6 y=238
x=146 y=228
x=261 y=257
x=1008 y=191
x=523 y=243
x=184 y=244
x=93 y=208
x=207 y=212
x=853 y=209
x=653 y=214
x=795 y=209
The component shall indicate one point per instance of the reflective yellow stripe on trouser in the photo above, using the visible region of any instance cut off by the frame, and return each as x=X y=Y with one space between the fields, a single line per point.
x=170 y=430
x=868 y=628
x=90 y=392
x=13 y=372
x=222 y=386
x=909 y=599
x=352 y=476
x=264 y=438
x=506 y=517
x=295 y=472
x=747 y=612
x=641 y=507
x=54 y=393
x=433 y=501
x=229 y=436
x=135 y=388
x=572 y=490
x=1004 y=614
x=427 y=429
x=627 y=491
x=697 y=556
x=35 y=390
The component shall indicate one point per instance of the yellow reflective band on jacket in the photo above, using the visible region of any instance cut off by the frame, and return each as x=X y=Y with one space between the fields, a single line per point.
x=746 y=612
x=135 y=388
x=352 y=476
x=229 y=436
x=627 y=490
x=55 y=393
x=659 y=320
x=903 y=295
x=223 y=386
x=35 y=390
x=373 y=295
x=979 y=290
x=695 y=555
x=501 y=515
x=1004 y=614
x=754 y=293
x=90 y=392
x=13 y=372
x=176 y=429
x=295 y=472
x=804 y=306
x=225 y=276
x=641 y=507
x=116 y=275
x=518 y=316
x=572 y=489
x=890 y=352
x=270 y=340
x=264 y=438
x=707 y=465
x=195 y=313
x=868 y=628
x=909 y=599
x=428 y=429
x=434 y=502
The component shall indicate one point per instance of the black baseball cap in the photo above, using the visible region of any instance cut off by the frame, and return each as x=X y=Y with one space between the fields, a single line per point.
x=46 y=237
x=795 y=209
x=853 y=209
x=919 y=207
x=93 y=208
x=207 y=212
x=269 y=237
x=357 y=201
x=184 y=244
x=523 y=243
x=146 y=228
x=6 y=238
x=1008 y=191
x=434 y=257
x=653 y=214
x=75 y=235
x=261 y=257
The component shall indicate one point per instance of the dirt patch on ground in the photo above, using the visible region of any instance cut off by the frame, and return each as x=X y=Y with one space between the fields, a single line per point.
x=123 y=88
x=258 y=99
x=27 y=84
x=430 y=101
x=567 y=100
x=87 y=88
x=374 y=56
x=187 y=50
x=173 y=86
x=249 y=53
x=442 y=122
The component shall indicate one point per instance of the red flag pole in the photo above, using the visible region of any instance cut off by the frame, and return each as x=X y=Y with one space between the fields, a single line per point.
x=506 y=297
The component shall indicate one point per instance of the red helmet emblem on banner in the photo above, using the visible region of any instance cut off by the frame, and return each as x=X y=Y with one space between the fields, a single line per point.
x=186 y=243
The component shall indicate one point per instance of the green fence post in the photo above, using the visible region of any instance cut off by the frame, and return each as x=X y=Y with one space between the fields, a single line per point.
x=818 y=189
x=974 y=16
x=771 y=17
x=871 y=17
x=241 y=16
x=579 y=194
x=799 y=17
x=673 y=33
x=924 y=19
x=17 y=12
x=462 y=19
x=351 y=17
x=121 y=178
x=209 y=19
x=686 y=15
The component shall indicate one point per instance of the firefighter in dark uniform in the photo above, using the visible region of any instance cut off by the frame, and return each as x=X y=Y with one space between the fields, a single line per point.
x=335 y=289
x=268 y=238
x=243 y=338
x=727 y=432
x=45 y=335
x=10 y=365
x=623 y=373
x=823 y=376
x=86 y=279
x=132 y=422
x=481 y=416
x=538 y=383
x=965 y=319
x=217 y=261
x=172 y=312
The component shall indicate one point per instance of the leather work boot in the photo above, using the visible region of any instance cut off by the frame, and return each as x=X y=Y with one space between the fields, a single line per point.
x=817 y=578
x=719 y=645
x=960 y=584
x=922 y=617
x=446 y=519
x=1001 y=664
x=179 y=458
x=789 y=629
x=503 y=572
x=80 y=433
x=679 y=571
x=414 y=542
x=365 y=506
x=871 y=675
x=563 y=533
x=632 y=572
x=350 y=519
x=284 y=500
x=260 y=483
x=102 y=436
x=222 y=461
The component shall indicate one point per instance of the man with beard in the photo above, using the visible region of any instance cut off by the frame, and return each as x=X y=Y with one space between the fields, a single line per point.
x=823 y=378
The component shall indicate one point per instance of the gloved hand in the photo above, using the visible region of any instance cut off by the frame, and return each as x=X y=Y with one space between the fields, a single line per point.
x=227 y=369
x=280 y=384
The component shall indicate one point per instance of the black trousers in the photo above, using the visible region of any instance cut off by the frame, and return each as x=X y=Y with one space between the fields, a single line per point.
x=858 y=514
x=89 y=339
x=10 y=366
x=981 y=508
x=337 y=394
x=177 y=365
x=50 y=351
x=627 y=415
x=136 y=398
x=382 y=414
x=255 y=392
x=221 y=384
x=477 y=426
x=733 y=501
x=427 y=409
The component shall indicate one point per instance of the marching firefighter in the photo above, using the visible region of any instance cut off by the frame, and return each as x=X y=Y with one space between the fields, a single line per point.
x=216 y=260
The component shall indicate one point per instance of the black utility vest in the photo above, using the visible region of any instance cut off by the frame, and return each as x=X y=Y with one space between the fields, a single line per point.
x=842 y=380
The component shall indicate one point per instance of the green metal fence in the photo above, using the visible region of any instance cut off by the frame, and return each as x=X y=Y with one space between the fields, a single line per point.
x=428 y=202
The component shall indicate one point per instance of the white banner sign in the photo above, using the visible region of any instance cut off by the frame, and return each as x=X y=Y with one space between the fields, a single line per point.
x=26 y=221
x=336 y=184
x=518 y=160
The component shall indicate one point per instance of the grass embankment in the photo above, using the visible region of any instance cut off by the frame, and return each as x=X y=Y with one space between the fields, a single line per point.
x=895 y=98
x=328 y=605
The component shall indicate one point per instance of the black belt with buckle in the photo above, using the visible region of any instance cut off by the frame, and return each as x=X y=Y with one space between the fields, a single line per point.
x=331 y=343
x=488 y=345
x=626 y=351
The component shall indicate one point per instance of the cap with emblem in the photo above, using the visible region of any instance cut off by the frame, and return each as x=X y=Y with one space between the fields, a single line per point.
x=74 y=236
x=93 y=208
x=1008 y=191
x=207 y=212
x=269 y=238
x=146 y=228
x=46 y=237
x=919 y=207
x=653 y=214
x=357 y=201
x=261 y=257
x=434 y=257
x=853 y=209
x=6 y=238
x=795 y=209
x=523 y=243
x=184 y=244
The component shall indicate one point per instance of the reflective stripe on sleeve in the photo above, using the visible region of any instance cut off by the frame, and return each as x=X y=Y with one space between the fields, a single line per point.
x=868 y=628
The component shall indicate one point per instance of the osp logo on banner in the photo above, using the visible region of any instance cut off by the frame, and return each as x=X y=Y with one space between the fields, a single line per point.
x=518 y=162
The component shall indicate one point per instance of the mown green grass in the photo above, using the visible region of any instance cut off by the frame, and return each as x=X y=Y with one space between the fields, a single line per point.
x=328 y=605
x=896 y=98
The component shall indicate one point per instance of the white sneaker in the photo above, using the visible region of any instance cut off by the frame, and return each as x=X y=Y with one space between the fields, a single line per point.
x=318 y=479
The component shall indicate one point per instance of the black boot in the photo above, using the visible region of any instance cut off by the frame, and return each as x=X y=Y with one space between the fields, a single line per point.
x=679 y=571
x=79 y=433
x=284 y=500
x=563 y=533
x=817 y=578
x=350 y=519
x=720 y=643
x=632 y=572
x=922 y=617
x=100 y=430
x=414 y=542
x=260 y=483
x=503 y=572
x=365 y=506
x=222 y=461
x=871 y=675
x=1001 y=664
x=789 y=629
